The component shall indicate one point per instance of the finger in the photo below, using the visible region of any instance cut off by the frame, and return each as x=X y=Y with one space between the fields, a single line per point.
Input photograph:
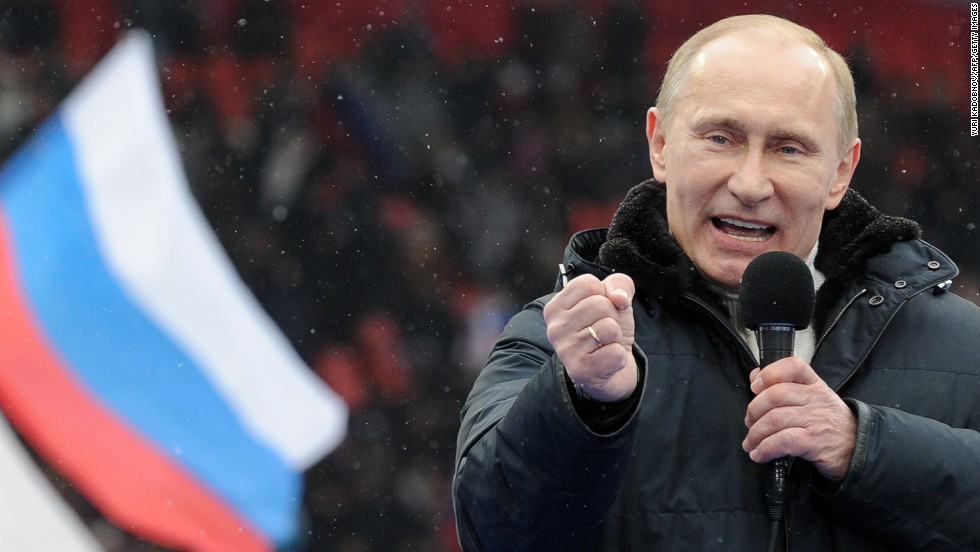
x=614 y=378
x=569 y=315
x=592 y=311
x=785 y=370
x=607 y=361
x=593 y=341
x=607 y=330
x=784 y=443
x=574 y=292
x=619 y=288
x=828 y=445
x=773 y=422
x=812 y=428
x=778 y=396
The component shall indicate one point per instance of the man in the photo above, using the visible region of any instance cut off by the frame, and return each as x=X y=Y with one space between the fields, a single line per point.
x=627 y=410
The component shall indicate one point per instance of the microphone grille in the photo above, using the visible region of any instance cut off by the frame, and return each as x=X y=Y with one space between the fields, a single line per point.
x=777 y=288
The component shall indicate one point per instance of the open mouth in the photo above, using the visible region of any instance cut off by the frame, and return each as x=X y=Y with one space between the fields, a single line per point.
x=743 y=230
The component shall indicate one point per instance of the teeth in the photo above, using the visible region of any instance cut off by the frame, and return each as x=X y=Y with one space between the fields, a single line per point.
x=760 y=232
x=743 y=224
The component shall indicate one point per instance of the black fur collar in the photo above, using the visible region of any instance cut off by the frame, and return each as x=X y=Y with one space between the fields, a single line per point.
x=639 y=244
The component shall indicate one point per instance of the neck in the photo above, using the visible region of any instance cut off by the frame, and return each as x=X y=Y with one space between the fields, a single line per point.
x=805 y=339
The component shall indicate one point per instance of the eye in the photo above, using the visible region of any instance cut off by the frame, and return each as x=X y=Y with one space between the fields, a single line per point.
x=719 y=139
x=789 y=150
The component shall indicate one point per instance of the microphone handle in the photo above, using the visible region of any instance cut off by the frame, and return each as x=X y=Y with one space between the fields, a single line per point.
x=775 y=342
x=776 y=487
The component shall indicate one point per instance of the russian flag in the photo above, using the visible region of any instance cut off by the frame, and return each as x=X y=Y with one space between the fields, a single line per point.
x=132 y=357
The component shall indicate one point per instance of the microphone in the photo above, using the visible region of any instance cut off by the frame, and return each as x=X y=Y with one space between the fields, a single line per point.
x=777 y=297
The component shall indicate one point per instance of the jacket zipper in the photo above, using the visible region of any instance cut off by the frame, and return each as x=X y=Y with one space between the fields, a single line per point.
x=747 y=352
x=938 y=284
x=837 y=319
x=727 y=326
x=752 y=362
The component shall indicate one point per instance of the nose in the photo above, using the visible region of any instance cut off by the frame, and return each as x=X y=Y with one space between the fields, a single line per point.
x=750 y=181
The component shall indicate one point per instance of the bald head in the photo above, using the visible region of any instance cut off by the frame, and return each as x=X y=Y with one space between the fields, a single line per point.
x=689 y=59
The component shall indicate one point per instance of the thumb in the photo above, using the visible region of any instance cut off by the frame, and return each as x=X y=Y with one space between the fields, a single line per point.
x=619 y=289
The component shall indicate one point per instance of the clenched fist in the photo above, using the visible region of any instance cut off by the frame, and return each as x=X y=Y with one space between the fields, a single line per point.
x=590 y=324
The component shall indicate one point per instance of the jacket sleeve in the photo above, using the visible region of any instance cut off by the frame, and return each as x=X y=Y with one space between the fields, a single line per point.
x=913 y=482
x=530 y=474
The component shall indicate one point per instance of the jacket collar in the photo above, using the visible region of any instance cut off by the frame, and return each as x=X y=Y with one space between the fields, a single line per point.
x=638 y=243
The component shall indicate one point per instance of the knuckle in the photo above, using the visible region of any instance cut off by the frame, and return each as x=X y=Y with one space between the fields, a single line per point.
x=772 y=420
x=606 y=326
x=590 y=284
x=553 y=333
x=779 y=395
x=795 y=441
x=556 y=327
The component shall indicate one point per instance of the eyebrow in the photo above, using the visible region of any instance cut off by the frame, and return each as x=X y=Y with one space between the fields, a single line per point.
x=723 y=122
x=738 y=127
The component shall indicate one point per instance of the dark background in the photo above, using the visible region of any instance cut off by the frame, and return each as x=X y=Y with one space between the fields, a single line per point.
x=394 y=179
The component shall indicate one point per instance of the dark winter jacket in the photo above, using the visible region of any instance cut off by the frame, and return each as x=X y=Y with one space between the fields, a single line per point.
x=666 y=470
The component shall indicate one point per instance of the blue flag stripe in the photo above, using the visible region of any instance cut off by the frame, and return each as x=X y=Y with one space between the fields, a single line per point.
x=120 y=354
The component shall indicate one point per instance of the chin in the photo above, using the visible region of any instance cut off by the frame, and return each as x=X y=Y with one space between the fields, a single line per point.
x=729 y=280
x=728 y=275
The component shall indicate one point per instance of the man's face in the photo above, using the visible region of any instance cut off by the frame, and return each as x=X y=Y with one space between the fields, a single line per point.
x=751 y=157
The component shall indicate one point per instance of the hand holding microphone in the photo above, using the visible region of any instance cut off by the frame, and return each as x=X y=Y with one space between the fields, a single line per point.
x=794 y=412
x=590 y=324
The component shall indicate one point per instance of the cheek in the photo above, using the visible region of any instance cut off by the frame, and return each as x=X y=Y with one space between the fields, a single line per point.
x=683 y=221
x=676 y=221
x=807 y=217
x=682 y=200
x=807 y=203
x=688 y=189
x=806 y=191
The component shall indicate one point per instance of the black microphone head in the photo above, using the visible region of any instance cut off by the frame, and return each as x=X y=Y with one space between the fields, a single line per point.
x=777 y=289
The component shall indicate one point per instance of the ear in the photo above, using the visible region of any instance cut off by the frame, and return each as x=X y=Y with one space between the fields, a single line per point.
x=657 y=141
x=842 y=178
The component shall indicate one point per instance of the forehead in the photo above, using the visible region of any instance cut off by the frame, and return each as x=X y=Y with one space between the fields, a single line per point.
x=764 y=45
x=760 y=77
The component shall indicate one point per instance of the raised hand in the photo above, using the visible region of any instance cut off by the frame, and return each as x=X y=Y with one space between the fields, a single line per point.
x=590 y=324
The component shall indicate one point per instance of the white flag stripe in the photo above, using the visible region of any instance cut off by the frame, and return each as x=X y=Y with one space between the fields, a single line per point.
x=33 y=516
x=166 y=256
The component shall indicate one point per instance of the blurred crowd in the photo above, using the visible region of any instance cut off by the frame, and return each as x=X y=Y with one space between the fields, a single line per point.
x=393 y=179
